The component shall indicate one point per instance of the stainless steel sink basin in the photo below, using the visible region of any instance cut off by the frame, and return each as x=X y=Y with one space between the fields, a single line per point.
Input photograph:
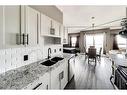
x=56 y=59
x=52 y=61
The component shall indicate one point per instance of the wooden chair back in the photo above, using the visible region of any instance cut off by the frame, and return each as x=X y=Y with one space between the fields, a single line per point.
x=91 y=52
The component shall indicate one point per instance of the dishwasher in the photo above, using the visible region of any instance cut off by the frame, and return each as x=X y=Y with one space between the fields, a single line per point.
x=71 y=68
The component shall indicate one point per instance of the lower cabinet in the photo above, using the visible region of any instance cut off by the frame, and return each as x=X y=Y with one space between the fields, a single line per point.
x=59 y=76
x=41 y=83
x=55 y=79
x=64 y=81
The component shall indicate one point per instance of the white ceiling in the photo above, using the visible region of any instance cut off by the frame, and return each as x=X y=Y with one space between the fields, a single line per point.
x=76 y=15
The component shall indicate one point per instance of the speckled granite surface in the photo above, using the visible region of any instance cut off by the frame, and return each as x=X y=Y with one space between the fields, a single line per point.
x=21 y=77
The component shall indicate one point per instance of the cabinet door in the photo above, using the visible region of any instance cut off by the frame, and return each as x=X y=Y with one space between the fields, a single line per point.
x=44 y=82
x=56 y=26
x=55 y=82
x=11 y=24
x=32 y=26
x=64 y=68
x=59 y=76
x=1 y=26
x=45 y=25
x=66 y=36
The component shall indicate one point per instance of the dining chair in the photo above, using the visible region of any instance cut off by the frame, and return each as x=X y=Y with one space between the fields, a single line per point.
x=99 y=53
x=92 y=54
x=91 y=47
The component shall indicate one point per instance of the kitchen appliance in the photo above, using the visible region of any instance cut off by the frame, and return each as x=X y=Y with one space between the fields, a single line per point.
x=71 y=68
x=121 y=77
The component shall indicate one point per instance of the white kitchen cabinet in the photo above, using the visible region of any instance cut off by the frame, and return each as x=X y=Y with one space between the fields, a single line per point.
x=64 y=81
x=45 y=25
x=33 y=26
x=42 y=83
x=9 y=25
x=55 y=82
x=59 y=76
x=65 y=35
x=56 y=26
x=12 y=24
x=62 y=34
x=30 y=25
x=1 y=26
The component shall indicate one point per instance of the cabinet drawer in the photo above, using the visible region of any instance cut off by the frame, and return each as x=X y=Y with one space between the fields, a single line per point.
x=41 y=83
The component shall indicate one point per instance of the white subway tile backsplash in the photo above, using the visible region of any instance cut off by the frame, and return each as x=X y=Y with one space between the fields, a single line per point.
x=2 y=65
x=14 y=57
x=2 y=53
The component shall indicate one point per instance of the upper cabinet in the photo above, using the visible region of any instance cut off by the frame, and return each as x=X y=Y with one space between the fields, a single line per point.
x=56 y=26
x=23 y=25
x=33 y=18
x=1 y=26
x=30 y=26
x=65 y=35
x=49 y=27
x=12 y=24
x=9 y=25
x=45 y=25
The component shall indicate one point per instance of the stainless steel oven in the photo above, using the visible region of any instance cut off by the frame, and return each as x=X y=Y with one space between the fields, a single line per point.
x=121 y=77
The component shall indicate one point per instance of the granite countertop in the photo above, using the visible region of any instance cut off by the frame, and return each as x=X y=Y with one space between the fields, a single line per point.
x=21 y=77
x=119 y=59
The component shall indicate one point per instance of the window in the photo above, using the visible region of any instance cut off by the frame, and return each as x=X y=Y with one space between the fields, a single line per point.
x=121 y=42
x=96 y=39
x=73 y=41
x=89 y=41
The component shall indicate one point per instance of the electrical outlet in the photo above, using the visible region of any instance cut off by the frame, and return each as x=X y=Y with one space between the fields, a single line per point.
x=25 y=57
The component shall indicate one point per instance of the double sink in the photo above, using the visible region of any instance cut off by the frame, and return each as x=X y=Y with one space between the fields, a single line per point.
x=52 y=61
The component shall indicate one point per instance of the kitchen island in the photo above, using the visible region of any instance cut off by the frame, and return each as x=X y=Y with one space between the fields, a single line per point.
x=119 y=71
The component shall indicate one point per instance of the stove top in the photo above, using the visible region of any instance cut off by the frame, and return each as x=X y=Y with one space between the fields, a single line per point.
x=123 y=71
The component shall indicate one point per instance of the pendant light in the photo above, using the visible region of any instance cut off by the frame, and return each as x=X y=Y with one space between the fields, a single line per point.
x=123 y=32
x=93 y=24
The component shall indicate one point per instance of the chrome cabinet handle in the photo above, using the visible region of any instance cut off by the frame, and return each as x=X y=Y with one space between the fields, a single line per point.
x=61 y=75
x=47 y=87
x=37 y=86
x=23 y=39
x=37 y=30
x=27 y=39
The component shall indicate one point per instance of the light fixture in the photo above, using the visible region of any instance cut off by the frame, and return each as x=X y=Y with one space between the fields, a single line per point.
x=93 y=24
x=123 y=32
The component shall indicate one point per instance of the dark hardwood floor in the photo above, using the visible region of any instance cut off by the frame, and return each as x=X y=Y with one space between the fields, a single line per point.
x=89 y=76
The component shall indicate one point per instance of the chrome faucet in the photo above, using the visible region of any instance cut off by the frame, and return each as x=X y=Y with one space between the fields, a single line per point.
x=49 y=51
